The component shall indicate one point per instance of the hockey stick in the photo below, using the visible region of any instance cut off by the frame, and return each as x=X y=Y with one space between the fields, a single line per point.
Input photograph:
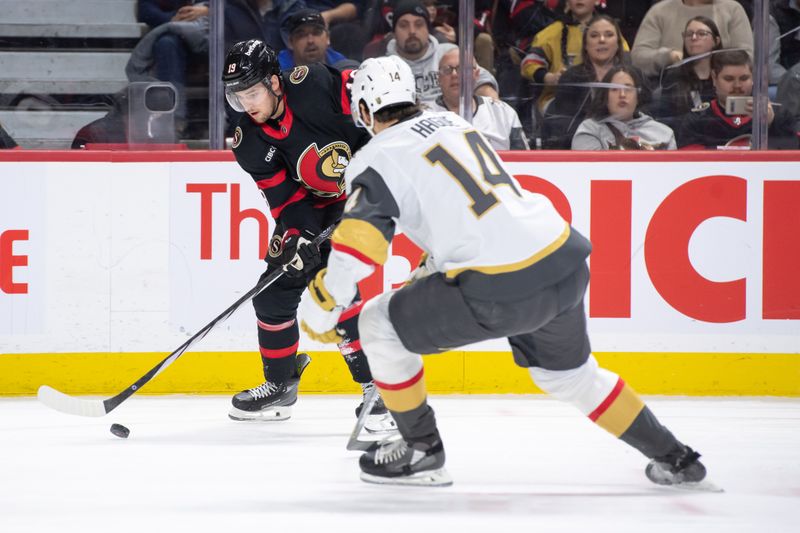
x=84 y=407
x=353 y=443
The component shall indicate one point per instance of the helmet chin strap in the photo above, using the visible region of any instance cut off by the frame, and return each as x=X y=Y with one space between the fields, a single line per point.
x=370 y=128
x=279 y=97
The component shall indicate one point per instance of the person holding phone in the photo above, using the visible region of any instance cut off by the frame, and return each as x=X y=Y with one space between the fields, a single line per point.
x=727 y=121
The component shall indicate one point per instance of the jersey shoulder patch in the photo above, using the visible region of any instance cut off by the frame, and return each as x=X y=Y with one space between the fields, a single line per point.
x=237 y=137
x=298 y=74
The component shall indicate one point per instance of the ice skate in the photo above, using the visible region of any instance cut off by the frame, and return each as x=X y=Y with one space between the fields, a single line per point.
x=379 y=420
x=397 y=463
x=680 y=469
x=270 y=401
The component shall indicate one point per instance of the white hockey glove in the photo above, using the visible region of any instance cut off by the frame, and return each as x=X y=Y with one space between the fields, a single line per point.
x=320 y=314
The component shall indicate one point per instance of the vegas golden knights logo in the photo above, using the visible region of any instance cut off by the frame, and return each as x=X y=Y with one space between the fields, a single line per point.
x=322 y=169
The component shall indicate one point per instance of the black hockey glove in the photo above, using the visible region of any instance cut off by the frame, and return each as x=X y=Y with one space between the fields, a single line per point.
x=294 y=251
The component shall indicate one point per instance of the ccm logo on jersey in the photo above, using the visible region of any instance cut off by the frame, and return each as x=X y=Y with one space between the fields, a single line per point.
x=322 y=169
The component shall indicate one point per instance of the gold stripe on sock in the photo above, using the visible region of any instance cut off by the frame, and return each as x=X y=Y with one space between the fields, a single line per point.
x=619 y=416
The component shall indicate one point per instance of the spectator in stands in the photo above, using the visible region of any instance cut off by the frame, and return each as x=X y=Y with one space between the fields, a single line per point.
x=178 y=40
x=659 y=41
x=442 y=29
x=732 y=74
x=687 y=85
x=787 y=15
x=558 y=47
x=111 y=128
x=495 y=119
x=347 y=33
x=776 y=68
x=6 y=141
x=309 y=42
x=601 y=51
x=264 y=20
x=413 y=43
x=514 y=24
x=616 y=121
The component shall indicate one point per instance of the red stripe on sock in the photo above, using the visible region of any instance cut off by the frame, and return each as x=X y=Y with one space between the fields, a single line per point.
x=277 y=354
x=275 y=327
x=608 y=401
x=403 y=385
x=348 y=348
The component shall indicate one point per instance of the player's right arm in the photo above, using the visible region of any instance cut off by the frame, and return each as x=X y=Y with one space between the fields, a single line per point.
x=359 y=244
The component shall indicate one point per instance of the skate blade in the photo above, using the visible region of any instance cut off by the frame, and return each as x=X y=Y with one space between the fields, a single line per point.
x=373 y=442
x=274 y=414
x=432 y=478
x=380 y=424
x=697 y=486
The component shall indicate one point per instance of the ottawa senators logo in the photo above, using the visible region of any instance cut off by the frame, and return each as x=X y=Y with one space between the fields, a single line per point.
x=298 y=74
x=237 y=137
x=322 y=170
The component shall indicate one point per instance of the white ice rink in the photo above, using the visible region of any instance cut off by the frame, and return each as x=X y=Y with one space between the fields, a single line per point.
x=520 y=463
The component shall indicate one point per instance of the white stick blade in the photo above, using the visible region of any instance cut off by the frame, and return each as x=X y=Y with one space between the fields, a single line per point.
x=68 y=404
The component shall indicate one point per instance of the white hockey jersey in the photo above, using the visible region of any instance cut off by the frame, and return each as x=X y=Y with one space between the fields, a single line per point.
x=441 y=181
x=496 y=120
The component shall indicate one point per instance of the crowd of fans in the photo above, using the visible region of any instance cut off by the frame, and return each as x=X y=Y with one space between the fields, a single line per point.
x=554 y=74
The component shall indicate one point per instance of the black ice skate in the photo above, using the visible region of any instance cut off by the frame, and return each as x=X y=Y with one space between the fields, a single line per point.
x=269 y=401
x=398 y=463
x=379 y=419
x=680 y=468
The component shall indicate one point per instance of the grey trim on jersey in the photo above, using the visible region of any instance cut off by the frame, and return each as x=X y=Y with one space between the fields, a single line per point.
x=371 y=201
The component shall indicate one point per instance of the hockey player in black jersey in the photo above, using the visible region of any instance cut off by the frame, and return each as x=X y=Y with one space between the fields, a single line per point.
x=295 y=139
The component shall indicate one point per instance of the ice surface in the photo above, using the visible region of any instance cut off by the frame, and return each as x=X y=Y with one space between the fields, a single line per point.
x=520 y=463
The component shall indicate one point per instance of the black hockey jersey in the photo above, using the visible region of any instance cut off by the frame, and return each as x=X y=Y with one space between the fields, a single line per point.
x=711 y=127
x=298 y=161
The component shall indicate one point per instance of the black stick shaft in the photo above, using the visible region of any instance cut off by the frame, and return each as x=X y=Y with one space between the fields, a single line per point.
x=113 y=402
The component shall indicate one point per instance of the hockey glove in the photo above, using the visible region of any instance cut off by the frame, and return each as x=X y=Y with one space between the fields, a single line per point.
x=320 y=314
x=423 y=270
x=294 y=252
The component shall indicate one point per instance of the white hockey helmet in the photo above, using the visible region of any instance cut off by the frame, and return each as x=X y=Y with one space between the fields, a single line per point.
x=381 y=82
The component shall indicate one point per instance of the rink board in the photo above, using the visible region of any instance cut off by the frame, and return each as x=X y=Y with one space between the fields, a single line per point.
x=110 y=260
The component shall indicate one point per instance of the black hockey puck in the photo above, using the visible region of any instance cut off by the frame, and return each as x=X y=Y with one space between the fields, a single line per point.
x=120 y=431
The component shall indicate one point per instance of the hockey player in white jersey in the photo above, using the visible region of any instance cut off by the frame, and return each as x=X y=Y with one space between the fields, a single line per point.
x=501 y=263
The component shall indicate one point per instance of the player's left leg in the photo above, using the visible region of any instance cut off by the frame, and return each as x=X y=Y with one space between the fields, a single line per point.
x=560 y=362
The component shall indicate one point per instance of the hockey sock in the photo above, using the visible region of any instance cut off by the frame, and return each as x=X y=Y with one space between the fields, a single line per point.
x=408 y=404
x=278 y=345
x=350 y=347
x=623 y=414
x=610 y=403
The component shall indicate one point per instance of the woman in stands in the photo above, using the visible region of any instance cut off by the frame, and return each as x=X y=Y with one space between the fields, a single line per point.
x=601 y=51
x=616 y=121
x=688 y=85
x=558 y=47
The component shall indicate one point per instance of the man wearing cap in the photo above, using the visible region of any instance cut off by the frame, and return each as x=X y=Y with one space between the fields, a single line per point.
x=309 y=42
x=413 y=43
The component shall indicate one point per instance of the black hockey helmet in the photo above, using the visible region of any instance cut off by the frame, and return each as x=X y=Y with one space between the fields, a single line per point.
x=248 y=63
